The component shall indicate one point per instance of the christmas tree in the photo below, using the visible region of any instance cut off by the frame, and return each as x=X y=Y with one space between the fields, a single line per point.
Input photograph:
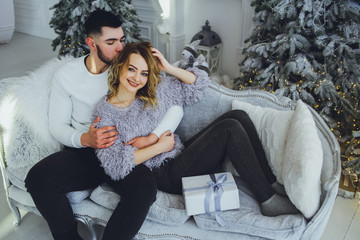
x=310 y=50
x=69 y=18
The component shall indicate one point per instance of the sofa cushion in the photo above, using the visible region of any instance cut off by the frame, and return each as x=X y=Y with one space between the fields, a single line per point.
x=21 y=196
x=168 y=208
x=272 y=127
x=303 y=157
x=78 y=196
x=249 y=220
x=293 y=149
x=105 y=196
x=17 y=176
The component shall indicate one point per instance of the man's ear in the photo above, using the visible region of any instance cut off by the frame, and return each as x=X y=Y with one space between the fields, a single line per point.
x=91 y=43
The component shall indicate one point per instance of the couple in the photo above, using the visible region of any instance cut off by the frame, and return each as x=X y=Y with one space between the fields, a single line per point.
x=128 y=145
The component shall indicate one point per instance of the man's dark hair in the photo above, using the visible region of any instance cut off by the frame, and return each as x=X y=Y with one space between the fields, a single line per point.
x=98 y=19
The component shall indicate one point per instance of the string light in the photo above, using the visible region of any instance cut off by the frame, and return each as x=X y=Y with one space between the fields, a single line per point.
x=323 y=87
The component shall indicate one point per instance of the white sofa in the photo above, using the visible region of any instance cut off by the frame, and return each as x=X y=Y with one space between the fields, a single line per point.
x=25 y=139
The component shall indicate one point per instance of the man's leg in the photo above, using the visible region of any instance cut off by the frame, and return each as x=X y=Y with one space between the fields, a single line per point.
x=52 y=178
x=138 y=192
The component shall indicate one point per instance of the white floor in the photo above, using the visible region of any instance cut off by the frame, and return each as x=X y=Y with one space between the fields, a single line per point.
x=24 y=53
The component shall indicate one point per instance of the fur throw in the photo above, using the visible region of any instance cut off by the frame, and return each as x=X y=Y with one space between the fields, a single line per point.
x=24 y=115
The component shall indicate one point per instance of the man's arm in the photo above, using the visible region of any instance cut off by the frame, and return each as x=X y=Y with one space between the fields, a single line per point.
x=60 y=112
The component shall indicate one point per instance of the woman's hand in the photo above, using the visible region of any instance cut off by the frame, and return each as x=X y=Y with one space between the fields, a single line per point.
x=162 y=63
x=165 y=144
x=143 y=142
x=166 y=141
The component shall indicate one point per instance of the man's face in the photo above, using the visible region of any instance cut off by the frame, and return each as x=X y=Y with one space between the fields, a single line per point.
x=110 y=43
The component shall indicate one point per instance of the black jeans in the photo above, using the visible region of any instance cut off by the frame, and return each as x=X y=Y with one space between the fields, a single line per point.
x=233 y=134
x=79 y=169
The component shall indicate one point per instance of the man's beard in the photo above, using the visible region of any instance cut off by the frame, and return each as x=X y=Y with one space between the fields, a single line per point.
x=102 y=56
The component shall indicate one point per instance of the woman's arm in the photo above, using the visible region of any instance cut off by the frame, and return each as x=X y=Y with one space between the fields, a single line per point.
x=170 y=121
x=165 y=144
x=183 y=75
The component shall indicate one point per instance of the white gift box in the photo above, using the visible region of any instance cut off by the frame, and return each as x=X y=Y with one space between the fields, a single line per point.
x=202 y=192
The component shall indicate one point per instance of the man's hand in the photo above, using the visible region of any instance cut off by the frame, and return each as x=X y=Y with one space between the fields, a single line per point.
x=99 y=137
x=143 y=142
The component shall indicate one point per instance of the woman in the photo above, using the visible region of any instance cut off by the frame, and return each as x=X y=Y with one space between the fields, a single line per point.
x=136 y=102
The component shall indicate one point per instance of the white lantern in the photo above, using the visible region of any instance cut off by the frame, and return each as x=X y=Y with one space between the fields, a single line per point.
x=7 y=20
x=210 y=46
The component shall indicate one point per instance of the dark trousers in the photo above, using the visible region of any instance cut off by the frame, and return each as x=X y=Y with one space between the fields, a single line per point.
x=79 y=169
x=233 y=134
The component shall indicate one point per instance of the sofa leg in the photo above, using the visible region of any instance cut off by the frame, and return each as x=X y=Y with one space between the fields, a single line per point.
x=92 y=230
x=90 y=225
x=16 y=212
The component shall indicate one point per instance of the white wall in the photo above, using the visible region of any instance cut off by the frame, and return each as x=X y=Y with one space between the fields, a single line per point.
x=230 y=19
x=150 y=13
x=33 y=17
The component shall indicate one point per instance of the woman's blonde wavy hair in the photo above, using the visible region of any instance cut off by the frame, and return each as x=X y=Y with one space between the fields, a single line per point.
x=121 y=62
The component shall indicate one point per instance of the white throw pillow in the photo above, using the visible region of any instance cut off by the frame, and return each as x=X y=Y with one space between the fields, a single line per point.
x=293 y=149
x=272 y=126
x=302 y=164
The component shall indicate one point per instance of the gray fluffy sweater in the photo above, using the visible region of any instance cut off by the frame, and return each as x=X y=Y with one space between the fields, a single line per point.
x=134 y=121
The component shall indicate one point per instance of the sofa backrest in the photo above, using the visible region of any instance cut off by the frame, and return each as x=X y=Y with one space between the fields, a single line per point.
x=218 y=100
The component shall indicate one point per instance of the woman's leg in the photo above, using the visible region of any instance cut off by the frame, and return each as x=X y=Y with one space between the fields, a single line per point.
x=138 y=192
x=206 y=153
x=51 y=179
x=243 y=118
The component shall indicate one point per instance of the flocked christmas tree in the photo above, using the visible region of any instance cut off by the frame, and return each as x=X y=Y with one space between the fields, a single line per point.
x=69 y=18
x=310 y=50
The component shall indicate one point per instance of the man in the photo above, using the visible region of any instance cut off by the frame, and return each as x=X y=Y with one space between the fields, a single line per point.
x=76 y=87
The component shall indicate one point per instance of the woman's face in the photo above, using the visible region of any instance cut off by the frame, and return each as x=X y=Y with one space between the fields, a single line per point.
x=135 y=76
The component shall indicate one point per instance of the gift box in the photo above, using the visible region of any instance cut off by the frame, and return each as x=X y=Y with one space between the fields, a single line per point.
x=210 y=193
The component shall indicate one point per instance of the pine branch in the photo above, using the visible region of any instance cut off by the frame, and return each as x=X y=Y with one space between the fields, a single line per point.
x=309 y=50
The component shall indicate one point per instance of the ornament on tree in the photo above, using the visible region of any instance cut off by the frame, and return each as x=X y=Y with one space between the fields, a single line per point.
x=309 y=50
x=69 y=18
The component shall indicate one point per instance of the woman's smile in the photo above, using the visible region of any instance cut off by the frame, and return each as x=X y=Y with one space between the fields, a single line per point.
x=133 y=83
x=135 y=76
